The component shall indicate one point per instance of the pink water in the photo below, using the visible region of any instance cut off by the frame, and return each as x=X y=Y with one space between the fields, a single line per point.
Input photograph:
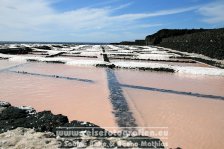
x=193 y=122
x=78 y=100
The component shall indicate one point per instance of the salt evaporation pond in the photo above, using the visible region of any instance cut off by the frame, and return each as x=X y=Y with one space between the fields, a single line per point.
x=192 y=121
x=190 y=106
x=79 y=100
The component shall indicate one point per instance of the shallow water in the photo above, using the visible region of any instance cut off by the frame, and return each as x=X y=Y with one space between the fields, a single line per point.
x=86 y=101
x=155 y=99
x=6 y=64
x=193 y=122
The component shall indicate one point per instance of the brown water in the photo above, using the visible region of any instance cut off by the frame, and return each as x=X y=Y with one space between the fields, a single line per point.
x=193 y=122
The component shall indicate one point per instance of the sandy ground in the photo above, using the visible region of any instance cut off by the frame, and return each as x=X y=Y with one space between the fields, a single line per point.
x=193 y=122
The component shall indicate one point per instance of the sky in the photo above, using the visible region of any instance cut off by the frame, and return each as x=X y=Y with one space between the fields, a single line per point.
x=103 y=20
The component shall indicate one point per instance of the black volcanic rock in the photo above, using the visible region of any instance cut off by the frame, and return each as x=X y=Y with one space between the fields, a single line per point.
x=136 y=42
x=14 y=117
x=44 y=47
x=12 y=113
x=4 y=104
x=156 y=38
x=140 y=42
x=18 y=50
x=208 y=42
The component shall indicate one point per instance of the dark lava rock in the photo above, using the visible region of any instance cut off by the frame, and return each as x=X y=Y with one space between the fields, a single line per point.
x=12 y=113
x=55 y=62
x=170 y=70
x=13 y=117
x=19 y=50
x=32 y=60
x=57 y=46
x=4 y=58
x=43 y=47
x=106 y=65
x=79 y=124
x=164 y=33
x=105 y=58
x=208 y=42
x=4 y=104
x=54 y=55
x=158 y=69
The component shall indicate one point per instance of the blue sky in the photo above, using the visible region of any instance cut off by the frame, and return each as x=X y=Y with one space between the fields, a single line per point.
x=103 y=20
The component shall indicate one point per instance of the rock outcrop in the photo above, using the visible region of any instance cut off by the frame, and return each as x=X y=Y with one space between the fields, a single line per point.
x=19 y=50
x=22 y=127
x=13 y=117
x=208 y=42
x=156 y=38
x=136 y=42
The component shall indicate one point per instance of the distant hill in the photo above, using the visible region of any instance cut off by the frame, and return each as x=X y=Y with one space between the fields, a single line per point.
x=209 y=42
x=165 y=33
x=136 y=42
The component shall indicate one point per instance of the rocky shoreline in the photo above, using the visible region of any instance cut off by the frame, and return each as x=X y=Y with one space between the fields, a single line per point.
x=25 y=127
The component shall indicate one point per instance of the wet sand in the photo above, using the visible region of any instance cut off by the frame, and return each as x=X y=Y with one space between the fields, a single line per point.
x=193 y=122
x=78 y=100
